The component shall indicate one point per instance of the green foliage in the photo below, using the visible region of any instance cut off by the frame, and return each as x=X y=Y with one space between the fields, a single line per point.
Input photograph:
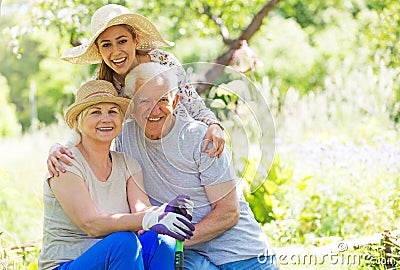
x=185 y=47
x=266 y=201
x=72 y=18
x=303 y=57
x=13 y=222
x=8 y=121
x=17 y=71
x=20 y=258
x=303 y=70
x=221 y=102
x=339 y=201
x=300 y=43
x=38 y=80
x=382 y=33
x=382 y=255
x=310 y=14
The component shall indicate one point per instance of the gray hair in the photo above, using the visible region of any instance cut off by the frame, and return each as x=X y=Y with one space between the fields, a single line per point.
x=149 y=71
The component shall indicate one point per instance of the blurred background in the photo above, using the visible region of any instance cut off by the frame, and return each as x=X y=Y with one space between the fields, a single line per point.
x=329 y=74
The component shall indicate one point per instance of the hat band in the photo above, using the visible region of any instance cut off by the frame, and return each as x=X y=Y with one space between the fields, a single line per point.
x=99 y=94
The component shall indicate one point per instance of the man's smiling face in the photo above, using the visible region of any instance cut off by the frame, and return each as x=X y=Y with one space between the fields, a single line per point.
x=153 y=108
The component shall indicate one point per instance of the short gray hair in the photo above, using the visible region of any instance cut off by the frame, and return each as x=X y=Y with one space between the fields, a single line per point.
x=148 y=71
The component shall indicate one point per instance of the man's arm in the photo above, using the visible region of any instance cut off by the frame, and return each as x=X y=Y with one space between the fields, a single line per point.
x=58 y=153
x=225 y=213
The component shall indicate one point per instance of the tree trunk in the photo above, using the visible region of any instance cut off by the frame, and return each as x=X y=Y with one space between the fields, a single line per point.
x=215 y=70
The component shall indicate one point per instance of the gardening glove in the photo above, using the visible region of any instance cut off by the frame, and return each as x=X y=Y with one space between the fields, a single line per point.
x=171 y=224
x=180 y=205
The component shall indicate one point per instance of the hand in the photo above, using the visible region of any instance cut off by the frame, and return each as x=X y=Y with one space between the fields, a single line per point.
x=58 y=153
x=181 y=205
x=171 y=224
x=215 y=135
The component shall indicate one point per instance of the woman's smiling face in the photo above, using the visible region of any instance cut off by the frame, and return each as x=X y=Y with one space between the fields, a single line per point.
x=101 y=122
x=117 y=47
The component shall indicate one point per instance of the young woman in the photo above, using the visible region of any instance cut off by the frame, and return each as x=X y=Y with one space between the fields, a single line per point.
x=92 y=211
x=120 y=41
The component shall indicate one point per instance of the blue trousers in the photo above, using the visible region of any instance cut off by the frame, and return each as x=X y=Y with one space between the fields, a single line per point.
x=124 y=251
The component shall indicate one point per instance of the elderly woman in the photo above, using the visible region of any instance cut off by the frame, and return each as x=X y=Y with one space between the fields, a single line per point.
x=92 y=211
x=120 y=41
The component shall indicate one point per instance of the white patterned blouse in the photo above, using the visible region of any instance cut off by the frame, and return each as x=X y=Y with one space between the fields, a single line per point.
x=189 y=98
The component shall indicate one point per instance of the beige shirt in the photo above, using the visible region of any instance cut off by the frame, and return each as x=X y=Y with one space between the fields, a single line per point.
x=62 y=240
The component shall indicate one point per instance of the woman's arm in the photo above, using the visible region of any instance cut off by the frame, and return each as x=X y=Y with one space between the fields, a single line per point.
x=73 y=195
x=137 y=198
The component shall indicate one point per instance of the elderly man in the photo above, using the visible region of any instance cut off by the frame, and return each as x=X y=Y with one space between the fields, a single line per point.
x=168 y=146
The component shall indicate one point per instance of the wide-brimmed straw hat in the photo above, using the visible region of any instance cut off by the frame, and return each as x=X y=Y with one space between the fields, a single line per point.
x=110 y=15
x=91 y=93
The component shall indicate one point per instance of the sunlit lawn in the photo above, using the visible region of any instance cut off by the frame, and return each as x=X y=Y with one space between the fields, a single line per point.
x=23 y=167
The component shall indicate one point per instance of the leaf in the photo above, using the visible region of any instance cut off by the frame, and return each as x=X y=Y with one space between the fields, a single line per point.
x=33 y=266
x=271 y=187
x=303 y=183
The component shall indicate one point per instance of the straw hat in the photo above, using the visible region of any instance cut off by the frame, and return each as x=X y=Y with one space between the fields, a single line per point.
x=91 y=93
x=110 y=15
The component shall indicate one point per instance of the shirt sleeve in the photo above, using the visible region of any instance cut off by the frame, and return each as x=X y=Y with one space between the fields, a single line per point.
x=215 y=170
x=77 y=167
x=189 y=98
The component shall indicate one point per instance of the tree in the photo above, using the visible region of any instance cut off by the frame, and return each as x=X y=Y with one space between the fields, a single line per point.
x=215 y=16
x=235 y=44
x=30 y=60
x=300 y=41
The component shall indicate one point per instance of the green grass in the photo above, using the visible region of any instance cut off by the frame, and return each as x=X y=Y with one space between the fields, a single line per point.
x=22 y=170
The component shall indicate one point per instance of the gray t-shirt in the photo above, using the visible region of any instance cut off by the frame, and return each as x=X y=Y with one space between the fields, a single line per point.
x=62 y=239
x=175 y=165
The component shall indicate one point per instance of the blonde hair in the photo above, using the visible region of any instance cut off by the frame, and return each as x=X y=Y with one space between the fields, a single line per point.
x=76 y=136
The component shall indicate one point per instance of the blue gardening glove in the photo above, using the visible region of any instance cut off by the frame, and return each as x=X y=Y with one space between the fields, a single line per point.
x=181 y=205
x=172 y=224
